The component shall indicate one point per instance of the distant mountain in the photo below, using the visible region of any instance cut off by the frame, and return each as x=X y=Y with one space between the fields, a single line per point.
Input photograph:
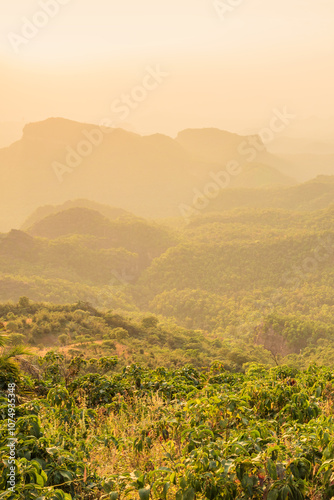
x=146 y=175
x=17 y=244
x=58 y=160
x=71 y=221
x=306 y=166
x=210 y=144
x=42 y=212
x=257 y=175
x=220 y=147
x=312 y=195
x=132 y=233
x=82 y=246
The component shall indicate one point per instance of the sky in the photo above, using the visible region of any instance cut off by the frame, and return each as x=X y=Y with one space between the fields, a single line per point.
x=217 y=63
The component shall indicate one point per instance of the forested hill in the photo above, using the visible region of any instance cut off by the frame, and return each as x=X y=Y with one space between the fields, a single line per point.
x=249 y=274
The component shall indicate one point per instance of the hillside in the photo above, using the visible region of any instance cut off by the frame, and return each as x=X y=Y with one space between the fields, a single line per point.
x=229 y=435
x=42 y=212
x=236 y=274
x=146 y=238
x=79 y=246
x=214 y=145
x=258 y=175
x=101 y=394
x=221 y=147
x=223 y=253
x=308 y=165
x=233 y=267
x=312 y=195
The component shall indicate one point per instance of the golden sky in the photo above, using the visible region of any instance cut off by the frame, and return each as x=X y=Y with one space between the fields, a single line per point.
x=227 y=71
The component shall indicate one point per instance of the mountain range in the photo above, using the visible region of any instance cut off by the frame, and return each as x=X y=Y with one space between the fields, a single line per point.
x=59 y=160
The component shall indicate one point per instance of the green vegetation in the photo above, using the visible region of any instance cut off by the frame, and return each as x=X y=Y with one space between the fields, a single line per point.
x=242 y=279
x=134 y=406
x=89 y=429
x=136 y=338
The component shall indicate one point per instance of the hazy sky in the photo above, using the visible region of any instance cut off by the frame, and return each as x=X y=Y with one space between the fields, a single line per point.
x=227 y=71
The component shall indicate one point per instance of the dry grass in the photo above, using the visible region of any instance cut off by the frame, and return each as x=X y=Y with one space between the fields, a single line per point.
x=125 y=427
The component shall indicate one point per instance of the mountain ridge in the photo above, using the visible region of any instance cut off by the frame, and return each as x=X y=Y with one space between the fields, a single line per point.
x=58 y=160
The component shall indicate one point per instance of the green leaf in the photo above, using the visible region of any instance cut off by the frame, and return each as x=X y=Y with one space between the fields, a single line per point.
x=285 y=493
x=165 y=490
x=144 y=494
x=271 y=467
x=273 y=495
x=189 y=494
x=172 y=478
x=40 y=480
x=66 y=475
x=183 y=483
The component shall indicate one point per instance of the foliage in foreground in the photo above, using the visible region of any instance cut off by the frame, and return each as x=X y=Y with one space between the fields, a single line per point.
x=182 y=434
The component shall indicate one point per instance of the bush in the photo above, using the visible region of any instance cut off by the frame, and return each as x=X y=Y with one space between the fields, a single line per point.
x=16 y=339
x=11 y=326
x=63 y=339
x=120 y=333
x=109 y=343
x=150 y=322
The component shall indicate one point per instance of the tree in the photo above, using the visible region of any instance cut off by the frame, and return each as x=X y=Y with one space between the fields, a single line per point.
x=24 y=302
x=120 y=333
x=150 y=322
x=273 y=342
